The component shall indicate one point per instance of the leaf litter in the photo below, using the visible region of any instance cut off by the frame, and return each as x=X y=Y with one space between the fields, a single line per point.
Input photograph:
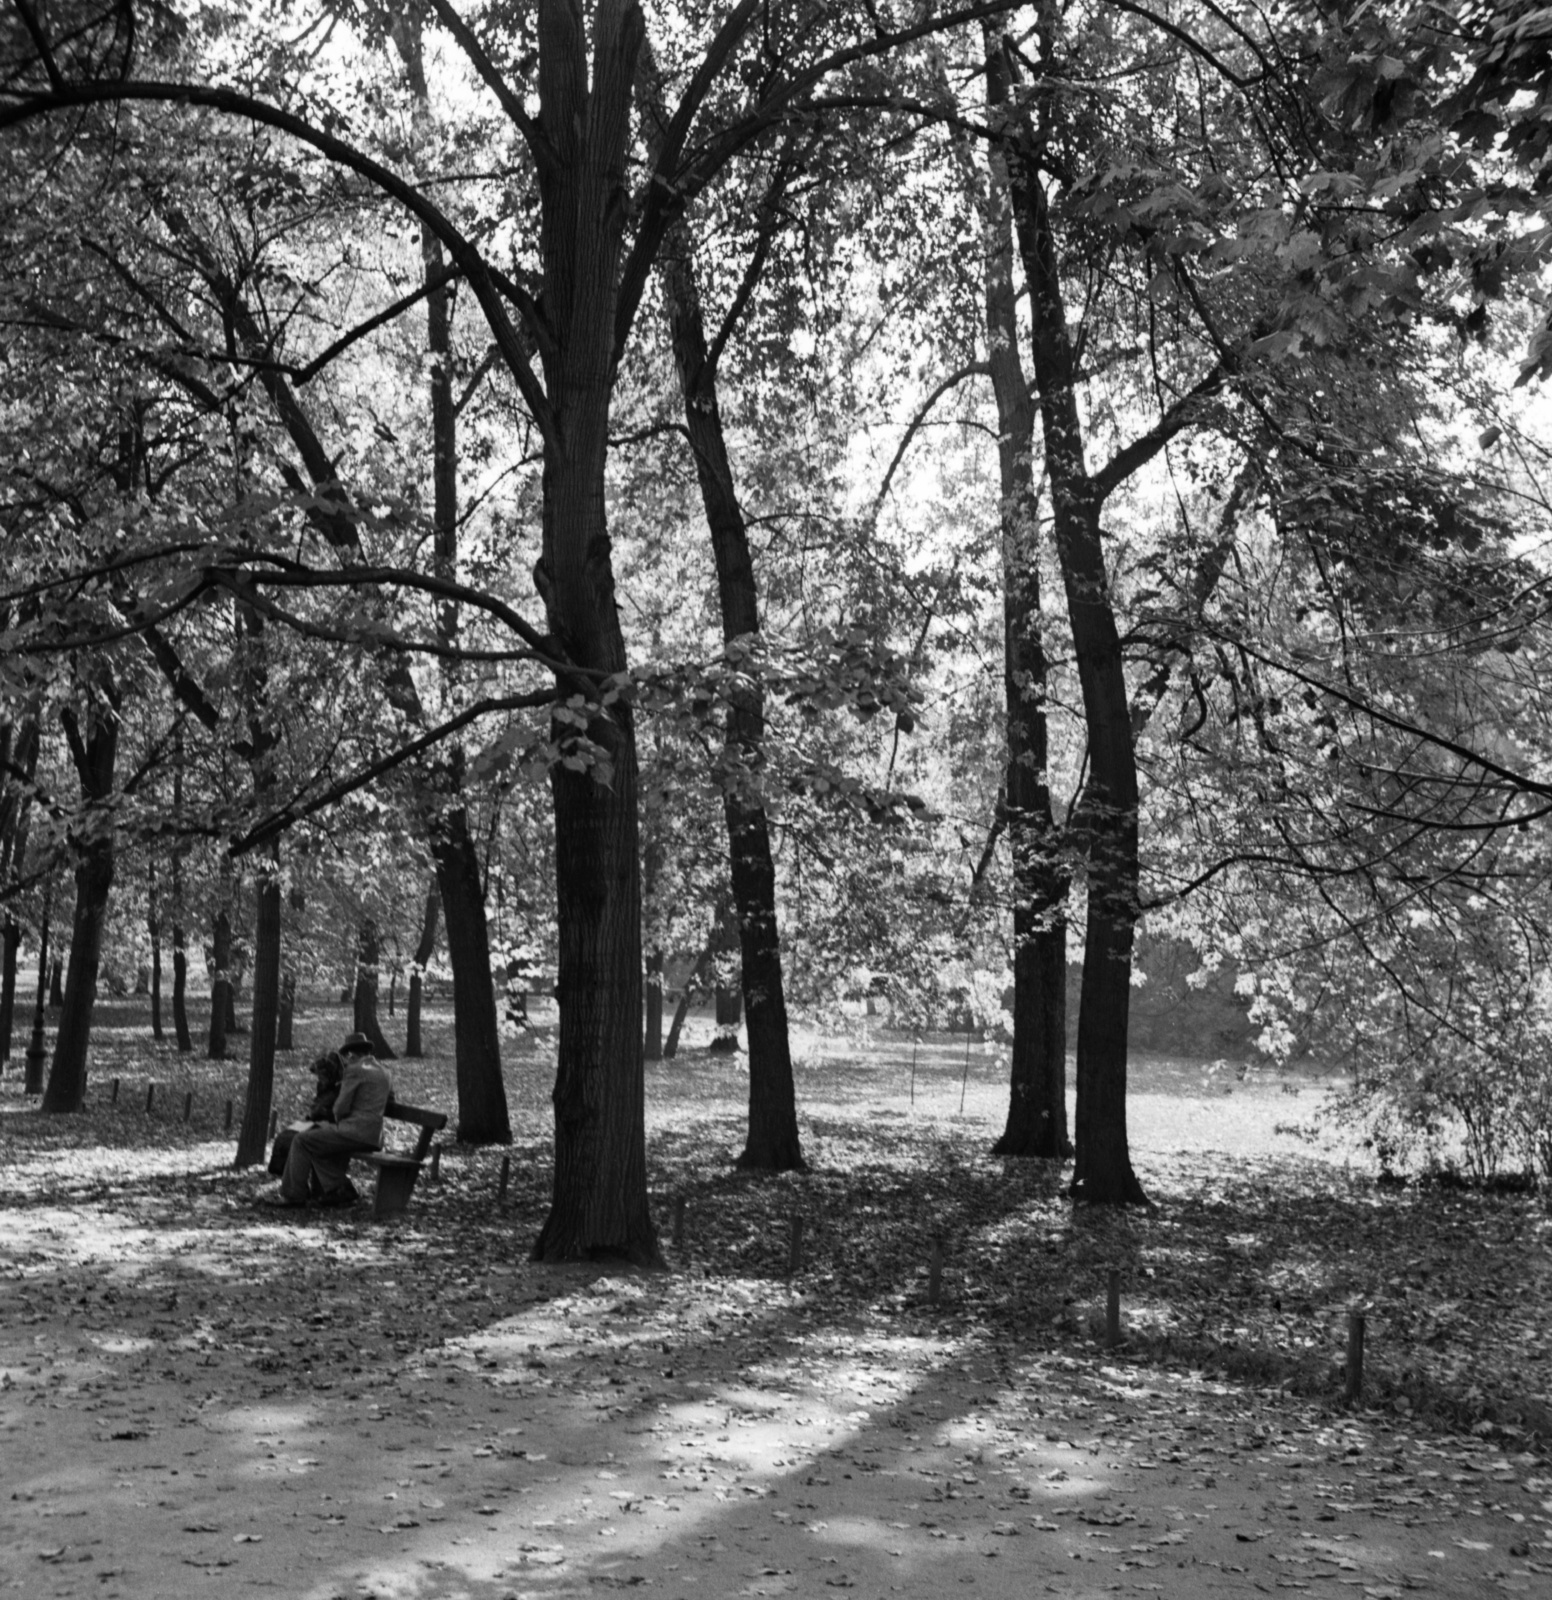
x=334 y=1407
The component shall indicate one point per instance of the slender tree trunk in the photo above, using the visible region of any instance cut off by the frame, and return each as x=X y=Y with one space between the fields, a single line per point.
x=368 y=953
x=1037 y=1091
x=692 y=987
x=773 y=1143
x=180 y=980
x=423 y=950
x=154 y=929
x=266 y=1006
x=482 y=1095
x=220 y=985
x=95 y=756
x=57 y=985
x=1103 y=1170
x=10 y=943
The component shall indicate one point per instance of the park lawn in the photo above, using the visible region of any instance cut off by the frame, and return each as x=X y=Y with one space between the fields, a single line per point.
x=413 y=1408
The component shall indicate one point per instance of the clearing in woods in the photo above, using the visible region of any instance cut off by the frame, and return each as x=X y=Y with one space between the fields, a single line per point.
x=199 y=1397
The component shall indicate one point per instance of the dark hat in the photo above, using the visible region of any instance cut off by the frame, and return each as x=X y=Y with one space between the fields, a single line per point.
x=356 y=1044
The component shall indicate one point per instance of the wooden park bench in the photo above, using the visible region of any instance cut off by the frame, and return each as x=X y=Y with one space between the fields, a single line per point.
x=396 y=1171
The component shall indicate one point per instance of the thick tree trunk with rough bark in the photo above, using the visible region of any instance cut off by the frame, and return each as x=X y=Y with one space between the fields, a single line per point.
x=773 y=1142
x=599 y=1205
x=1103 y=1169
x=95 y=754
x=423 y=950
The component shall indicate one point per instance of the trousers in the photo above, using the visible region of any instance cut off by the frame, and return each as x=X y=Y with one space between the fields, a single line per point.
x=323 y=1150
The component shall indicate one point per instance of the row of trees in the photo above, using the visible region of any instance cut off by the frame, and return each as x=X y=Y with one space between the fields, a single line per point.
x=1074 y=399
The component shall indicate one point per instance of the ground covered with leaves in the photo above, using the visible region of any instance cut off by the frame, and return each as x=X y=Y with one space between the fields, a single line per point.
x=197 y=1395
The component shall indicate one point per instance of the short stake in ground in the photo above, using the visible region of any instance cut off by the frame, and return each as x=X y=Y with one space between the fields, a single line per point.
x=1113 y=1310
x=1354 y=1388
x=935 y=1273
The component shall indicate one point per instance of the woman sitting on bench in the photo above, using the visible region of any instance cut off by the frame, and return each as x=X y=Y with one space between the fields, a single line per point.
x=325 y=1149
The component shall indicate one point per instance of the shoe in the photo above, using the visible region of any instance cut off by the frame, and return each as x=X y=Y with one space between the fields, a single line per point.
x=346 y=1195
x=278 y=1202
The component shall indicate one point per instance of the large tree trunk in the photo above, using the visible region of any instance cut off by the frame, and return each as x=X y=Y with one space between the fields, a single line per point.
x=772 y=1143
x=482 y=1095
x=94 y=756
x=599 y=1205
x=364 y=1016
x=220 y=984
x=1103 y=1170
x=266 y=1005
x=423 y=950
x=1037 y=1091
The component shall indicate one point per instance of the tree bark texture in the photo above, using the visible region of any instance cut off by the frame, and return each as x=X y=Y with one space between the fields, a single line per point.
x=56 y=991
x=423 y=952
x=1037 y=1090
x=483 y=1117
x=772 y=1143
x=1103 y=1170
x=653 y=1046
x=10 y=943
x=154 y=931
x=95 y=754
x=599 y=1203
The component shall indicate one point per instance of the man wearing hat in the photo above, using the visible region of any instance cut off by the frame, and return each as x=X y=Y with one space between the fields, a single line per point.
x=326 y=1148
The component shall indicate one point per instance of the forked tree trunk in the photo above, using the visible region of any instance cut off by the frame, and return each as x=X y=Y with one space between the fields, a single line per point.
x=368 y=952
x=1103 y=1170
x=220 y=985
x=772 y=1142
x=95 y=756
x=423 y=951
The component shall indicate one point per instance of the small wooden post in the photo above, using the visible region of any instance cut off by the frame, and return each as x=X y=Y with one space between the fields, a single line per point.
x=1354 y=1386
x=436 y=1164
x=964 y=1082
x=795 y=1248
x=506 y=1173
x=228 y=1116
x=935 y=1273
x=1113 y=1310
x=188 y=1104
x=150 y=1096
x=915 y=1042
x=113 y=1092
x=679 y=1222
x=274 y=1123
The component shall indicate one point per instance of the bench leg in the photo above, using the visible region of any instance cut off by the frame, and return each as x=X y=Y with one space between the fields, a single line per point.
x=395 y=1185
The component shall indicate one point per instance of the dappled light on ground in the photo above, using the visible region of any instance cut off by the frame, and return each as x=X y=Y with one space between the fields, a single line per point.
x=196 y=1394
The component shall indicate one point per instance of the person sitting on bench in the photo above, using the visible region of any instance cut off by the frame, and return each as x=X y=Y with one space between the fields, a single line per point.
x=326 y=1149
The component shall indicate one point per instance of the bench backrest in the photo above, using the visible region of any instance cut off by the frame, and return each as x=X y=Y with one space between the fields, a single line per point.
x=431 y=1123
